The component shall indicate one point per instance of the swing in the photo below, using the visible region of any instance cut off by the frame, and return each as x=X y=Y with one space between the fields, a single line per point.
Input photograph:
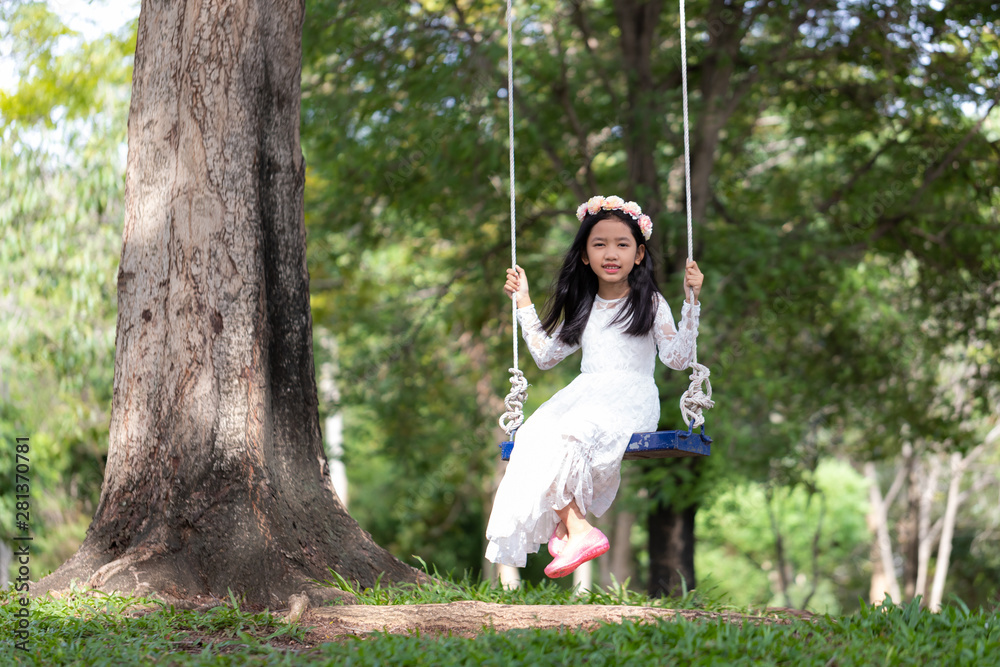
x=653 y=445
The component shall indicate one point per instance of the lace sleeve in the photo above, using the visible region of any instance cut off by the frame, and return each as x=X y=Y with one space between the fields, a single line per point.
x=676 y=345
x=546 y=350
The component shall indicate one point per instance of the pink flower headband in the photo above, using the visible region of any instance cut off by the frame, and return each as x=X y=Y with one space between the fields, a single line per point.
x=615 y=203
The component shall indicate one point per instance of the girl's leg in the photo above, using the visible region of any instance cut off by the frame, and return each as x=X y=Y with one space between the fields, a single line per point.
x=583 y=543
x=576 y=523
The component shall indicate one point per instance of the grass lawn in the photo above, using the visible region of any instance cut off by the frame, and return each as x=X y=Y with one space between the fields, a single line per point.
x=97 y=629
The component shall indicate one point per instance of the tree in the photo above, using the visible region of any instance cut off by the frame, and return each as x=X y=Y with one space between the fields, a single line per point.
x=216 y=478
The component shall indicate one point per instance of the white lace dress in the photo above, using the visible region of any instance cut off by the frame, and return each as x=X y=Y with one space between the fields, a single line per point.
x=571 y=448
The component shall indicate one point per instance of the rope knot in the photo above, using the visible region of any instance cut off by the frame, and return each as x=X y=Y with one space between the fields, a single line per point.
x=514 y=402
x=694 y=400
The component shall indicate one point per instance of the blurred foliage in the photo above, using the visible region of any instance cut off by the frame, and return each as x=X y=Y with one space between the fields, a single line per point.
x=62 y=132
x=736 y=541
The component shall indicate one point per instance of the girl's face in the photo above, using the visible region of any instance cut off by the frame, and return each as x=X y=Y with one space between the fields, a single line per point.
x=612 y=253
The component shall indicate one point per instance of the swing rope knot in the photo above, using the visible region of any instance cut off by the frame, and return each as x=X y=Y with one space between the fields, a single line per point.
x=514 y=402
x=694 y=400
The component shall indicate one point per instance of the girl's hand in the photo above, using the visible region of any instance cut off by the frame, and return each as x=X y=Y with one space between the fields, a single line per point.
x=693 y=279
x=517 y=283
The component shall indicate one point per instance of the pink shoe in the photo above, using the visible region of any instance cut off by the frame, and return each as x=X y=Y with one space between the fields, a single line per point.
x=591 y=546
x=556 y=544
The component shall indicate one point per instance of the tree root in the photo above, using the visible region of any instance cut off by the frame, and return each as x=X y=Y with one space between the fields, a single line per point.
x=470 y=618
x=147 y=573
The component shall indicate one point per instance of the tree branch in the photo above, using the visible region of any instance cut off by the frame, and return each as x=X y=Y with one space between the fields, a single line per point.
x=562 y=94
x=856 y=176
x=580 y=21
x=815 y=551
x=779 y=546
x=895 y=487
x=549 y=149
x=934 y=172
x=525 y=109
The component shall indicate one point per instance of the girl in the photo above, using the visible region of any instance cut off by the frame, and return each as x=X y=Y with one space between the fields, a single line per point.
x=568 y=456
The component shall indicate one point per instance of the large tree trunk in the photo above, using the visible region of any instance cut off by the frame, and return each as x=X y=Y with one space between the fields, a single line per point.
x=671 y=550
x=216 y=476
x=671 y=529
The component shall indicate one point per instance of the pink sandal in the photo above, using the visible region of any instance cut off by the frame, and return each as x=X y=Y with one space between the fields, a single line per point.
x=591 y=546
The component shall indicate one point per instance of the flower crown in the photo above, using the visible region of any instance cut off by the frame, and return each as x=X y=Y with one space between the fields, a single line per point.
x=615 y=203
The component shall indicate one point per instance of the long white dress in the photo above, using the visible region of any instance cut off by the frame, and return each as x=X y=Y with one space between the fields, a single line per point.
x=572 y=446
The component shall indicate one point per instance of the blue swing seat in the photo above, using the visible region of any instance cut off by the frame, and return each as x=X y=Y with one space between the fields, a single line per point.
x=652 y=445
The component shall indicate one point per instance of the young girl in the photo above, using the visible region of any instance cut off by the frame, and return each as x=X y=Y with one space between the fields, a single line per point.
x=568 y=455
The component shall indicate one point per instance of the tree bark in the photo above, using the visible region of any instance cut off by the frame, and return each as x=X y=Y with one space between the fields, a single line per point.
x=638 y=21
x=469 y=618
x=955 y=499
x=216 y=477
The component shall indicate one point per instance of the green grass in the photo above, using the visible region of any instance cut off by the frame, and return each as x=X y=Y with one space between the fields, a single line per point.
x=105 y=630
x=444 y=588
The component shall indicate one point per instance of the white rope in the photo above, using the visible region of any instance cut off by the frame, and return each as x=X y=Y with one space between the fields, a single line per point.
x=514 y=402
x=694 y=400
x=687 y=148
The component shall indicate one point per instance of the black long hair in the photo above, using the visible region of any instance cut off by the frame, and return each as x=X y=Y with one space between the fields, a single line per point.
x=574 y=291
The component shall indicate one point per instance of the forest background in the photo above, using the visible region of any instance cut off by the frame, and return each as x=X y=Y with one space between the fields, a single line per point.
x=845 y=169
